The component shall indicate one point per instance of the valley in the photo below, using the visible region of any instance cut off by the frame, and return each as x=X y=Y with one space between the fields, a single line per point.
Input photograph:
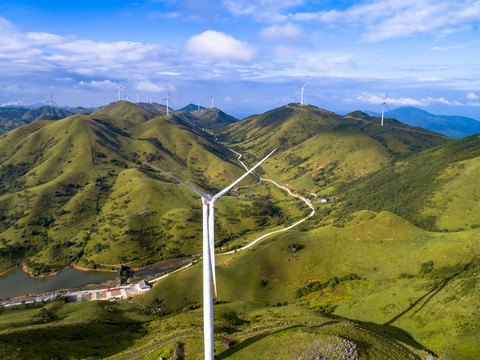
x=383 y=268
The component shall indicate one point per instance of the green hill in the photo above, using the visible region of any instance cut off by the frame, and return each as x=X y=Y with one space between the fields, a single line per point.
x=435 y=189
x=210 y=119
x=72 y=190
x=318 y=149
x=384 y=273
x=389 y=263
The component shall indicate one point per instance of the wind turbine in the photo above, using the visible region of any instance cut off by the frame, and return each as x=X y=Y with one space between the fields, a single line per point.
x=383 y=106
x=167 y=100
x=212 y=100
x=303 y=87
x=51 y=102
x=198 y=104
x=208 y=202
x=119 y=88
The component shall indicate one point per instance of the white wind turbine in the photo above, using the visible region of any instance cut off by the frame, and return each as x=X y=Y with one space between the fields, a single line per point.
x=303 y=88
x=212 y=100
x=119 y=89
x=167 y=100
x=383 y=107
x=208 y=202
x=51 y=102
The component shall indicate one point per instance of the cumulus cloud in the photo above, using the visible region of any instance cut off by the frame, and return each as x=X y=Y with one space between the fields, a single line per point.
x=288 y=33
x=23 y=52
x=214 y=45
x=149 y=86
x=472 y=96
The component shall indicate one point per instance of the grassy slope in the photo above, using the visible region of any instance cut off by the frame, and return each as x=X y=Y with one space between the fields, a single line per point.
x=398 y=292
x=318 y=149
x=116 y=331
x=72 y=191
x=436 y=189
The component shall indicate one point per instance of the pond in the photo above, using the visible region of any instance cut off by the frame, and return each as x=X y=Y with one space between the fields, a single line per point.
x=17 y=283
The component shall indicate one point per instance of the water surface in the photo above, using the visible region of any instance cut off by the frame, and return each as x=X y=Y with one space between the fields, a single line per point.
x=17 y=283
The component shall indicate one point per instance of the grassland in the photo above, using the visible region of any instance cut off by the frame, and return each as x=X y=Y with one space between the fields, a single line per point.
x=391 y=263
x=73 y=192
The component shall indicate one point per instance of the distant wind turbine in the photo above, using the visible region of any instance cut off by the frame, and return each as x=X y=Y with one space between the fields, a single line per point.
x=51 y=102
x=198 y=104
x=167 y=100
x=127 y=97
x=383 y=107
x=212 y=100
x=303 y=87
x=119 y=89
x=208 y=202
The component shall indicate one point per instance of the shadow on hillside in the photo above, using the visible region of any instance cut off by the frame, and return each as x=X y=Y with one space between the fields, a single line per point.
x=97 y=338
x=427 y=297
x=240 y=346
x=389 y=333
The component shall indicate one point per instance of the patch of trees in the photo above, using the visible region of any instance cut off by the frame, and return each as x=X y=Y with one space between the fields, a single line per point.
x=10 y=177
x=265 y=211
x=318 y=285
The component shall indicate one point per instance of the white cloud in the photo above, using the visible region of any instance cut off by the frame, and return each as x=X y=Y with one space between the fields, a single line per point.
x=105 y=84
x=376 y=99
x=150 y=87
x=389 y=19
x=288 y=33
x=214 y=45
x=472 y=96
x=267 y=10
x=369 y=98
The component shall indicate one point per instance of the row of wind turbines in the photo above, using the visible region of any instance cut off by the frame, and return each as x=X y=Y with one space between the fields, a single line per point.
x=167 y=100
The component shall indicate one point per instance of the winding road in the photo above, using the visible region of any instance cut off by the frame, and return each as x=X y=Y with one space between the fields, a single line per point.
x=307 y=201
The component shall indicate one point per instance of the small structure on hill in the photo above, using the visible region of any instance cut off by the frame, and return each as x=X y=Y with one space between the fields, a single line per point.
x=143 y=286
x=324 y=199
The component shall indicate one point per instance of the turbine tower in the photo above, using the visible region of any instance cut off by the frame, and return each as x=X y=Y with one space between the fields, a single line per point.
x=119 y=89
x=301 y=97
x=208 y=202
x=167 y=100
x=212 y=100
x=383 y=107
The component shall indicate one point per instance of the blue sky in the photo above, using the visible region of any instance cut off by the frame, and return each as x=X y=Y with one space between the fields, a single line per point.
x=250 y=55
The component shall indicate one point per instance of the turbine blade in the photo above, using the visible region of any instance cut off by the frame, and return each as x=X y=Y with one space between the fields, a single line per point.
x=201 y=193
x=221 y=193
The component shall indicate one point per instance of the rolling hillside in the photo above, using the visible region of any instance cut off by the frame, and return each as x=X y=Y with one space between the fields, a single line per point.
x=72 y=190
x=436 y=189
x=318 y=149
x=389 y=263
